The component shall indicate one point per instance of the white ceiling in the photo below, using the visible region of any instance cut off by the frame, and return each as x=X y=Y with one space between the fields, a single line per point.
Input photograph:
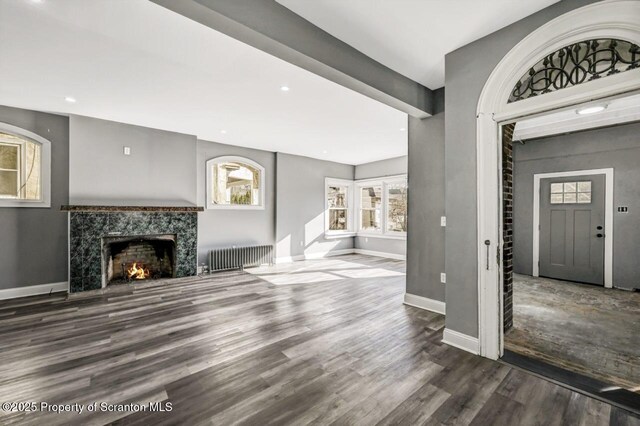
x=618 y=111
x=413 y=36
x=135 y=62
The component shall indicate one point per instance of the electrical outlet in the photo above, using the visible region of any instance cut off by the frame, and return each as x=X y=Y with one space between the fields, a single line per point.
x=127 y=150
x=443 y=221
x=443 y=278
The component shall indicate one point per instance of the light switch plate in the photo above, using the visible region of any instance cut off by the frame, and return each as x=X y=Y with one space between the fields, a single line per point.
x=443 y=221
x=127 y=150
x=443 y=278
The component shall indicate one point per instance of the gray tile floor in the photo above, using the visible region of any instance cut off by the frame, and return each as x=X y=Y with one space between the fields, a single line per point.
x=584 y=328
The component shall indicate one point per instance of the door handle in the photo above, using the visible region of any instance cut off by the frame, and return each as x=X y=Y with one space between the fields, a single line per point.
x=487 y=243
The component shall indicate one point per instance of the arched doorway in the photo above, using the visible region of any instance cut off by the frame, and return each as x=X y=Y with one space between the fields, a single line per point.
x=615 y=19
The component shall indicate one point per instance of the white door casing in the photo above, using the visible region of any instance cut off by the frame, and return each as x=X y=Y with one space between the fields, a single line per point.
x=607 y=19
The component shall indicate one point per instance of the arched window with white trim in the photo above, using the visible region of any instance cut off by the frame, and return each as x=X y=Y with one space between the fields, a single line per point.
x=25 y=164
x=234 y=183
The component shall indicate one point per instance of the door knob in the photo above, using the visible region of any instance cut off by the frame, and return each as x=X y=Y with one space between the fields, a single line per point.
x=599 y=235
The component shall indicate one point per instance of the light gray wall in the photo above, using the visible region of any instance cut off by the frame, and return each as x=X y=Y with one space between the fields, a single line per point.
x=615 y=147
x=226 y=228
x=158 y=171
x=300 y=205
x=382 y=168
x=466 y=71
x=34 y=241
x=388 y=167
x=425 y=240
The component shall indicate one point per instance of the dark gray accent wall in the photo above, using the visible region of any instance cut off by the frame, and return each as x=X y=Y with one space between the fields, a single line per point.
x=159 y=170
x=466 y=71
x=227 y=228
x=271 y=27
x=34 y=240
x=425 y=239
x=300 y=204
x=614 y=147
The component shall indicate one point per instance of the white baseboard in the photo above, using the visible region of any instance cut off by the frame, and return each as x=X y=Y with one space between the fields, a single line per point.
x=311 y=256
x=380 y=254
x=425 y=303
x=32 y=290
x=461 y=341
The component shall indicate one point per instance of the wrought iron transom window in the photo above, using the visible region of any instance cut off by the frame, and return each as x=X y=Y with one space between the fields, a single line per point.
x=575 y=64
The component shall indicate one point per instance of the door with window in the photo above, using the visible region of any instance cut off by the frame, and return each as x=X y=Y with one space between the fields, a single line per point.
x=572 y=230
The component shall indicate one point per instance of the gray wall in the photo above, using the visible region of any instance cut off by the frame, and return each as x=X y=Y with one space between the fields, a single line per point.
x=226 y=228
x=466 y=71
x=300 y=205
x=615 y=147
x=158 y=171
x=34 y=240
x=388 y=167
x=425 y=241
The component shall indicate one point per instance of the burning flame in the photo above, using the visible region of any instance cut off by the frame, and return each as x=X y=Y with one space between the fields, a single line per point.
x=138 y=272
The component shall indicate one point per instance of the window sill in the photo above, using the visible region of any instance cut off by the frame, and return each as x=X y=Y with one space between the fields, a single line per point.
x=333 y=236
x=24 y=204
x=233 y=207
x=382 y=236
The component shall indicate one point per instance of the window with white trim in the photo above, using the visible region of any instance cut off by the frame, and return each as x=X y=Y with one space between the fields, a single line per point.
x=338 y=206
x=235 y=183
x=25 y=161
x=382 y=207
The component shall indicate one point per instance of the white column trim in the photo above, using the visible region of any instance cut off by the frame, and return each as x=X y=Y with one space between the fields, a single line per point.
x=460 y=341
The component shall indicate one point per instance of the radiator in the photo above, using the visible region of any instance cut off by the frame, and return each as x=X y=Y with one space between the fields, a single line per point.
x=239 y=257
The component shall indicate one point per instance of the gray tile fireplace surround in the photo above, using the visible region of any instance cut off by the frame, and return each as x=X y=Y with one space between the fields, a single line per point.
x=88 y=228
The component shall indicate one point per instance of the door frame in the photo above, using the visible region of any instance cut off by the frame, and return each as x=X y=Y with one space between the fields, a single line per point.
x=605 y=19
x=608 y=217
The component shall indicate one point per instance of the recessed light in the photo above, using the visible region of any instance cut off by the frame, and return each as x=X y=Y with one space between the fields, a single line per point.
x=402 y=129
x=70 y=99
x=223 y=132
x=591 y=109
x=325 y=151
x=284 y=88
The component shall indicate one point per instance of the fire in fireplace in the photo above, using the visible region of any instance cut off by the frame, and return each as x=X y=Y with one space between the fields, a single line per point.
x=137 y=258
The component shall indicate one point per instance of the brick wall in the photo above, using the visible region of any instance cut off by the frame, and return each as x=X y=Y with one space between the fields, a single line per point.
x=507 y=219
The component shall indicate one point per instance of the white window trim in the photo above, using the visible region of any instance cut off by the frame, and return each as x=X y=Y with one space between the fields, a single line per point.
x=45 y=164
x=235 y=159
x=383 y=232
x=328 y=234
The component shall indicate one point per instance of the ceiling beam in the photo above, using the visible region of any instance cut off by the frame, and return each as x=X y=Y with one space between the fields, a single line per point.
x=272 y=28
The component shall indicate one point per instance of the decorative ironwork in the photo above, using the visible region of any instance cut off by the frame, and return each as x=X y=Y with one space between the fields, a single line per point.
x=575 y=64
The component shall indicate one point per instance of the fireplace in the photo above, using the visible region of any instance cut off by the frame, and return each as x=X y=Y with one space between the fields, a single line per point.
x=137 y=258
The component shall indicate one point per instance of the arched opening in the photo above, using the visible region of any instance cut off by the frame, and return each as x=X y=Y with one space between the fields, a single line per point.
x=604 y=20
x=235 y=183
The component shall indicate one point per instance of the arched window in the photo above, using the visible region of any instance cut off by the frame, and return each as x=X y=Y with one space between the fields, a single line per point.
x=235 y=183
x=25 y=165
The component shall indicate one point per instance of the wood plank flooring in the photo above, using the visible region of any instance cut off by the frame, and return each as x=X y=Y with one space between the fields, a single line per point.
x=316 y=342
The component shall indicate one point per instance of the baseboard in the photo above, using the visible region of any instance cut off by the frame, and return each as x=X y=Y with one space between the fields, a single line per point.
x=461 y=341
x=381 y=254
x=33 y=290
x=312 y=256
x=425 y=303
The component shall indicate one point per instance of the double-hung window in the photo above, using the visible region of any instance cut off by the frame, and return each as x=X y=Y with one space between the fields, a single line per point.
x=25 y=160
x=382 y=207
x=338 y=207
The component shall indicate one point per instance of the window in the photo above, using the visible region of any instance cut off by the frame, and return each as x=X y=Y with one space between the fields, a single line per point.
x=571 y=192
x=235 y=183
x=397 y=198
x=338 y=206
x=382 y=206
x=24 y=168
x=370 y=207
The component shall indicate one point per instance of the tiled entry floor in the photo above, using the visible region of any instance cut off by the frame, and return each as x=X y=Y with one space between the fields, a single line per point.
x=583 y=328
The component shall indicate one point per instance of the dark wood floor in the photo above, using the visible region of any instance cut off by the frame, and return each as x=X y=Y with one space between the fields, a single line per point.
x=319 y=342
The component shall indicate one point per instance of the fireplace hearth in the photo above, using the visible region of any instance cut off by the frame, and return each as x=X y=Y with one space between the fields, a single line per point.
x=137 y=258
